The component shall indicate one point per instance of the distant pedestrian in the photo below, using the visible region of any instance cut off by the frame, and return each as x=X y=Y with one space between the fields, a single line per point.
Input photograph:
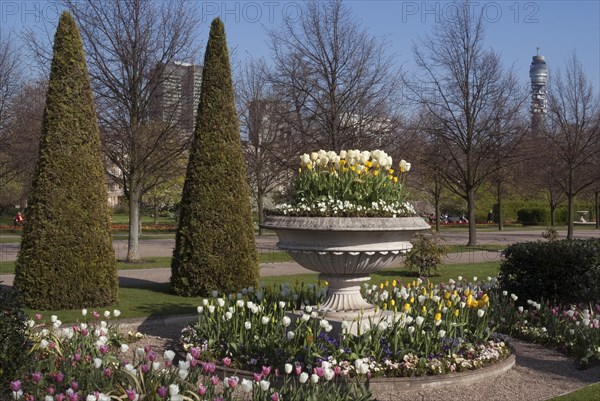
x=490 y=217
x=19 y=218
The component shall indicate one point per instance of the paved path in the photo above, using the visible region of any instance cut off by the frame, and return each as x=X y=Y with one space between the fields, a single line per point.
x=164 y=247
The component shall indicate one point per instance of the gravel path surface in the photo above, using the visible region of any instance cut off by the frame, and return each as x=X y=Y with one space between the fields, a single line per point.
x=539 y=374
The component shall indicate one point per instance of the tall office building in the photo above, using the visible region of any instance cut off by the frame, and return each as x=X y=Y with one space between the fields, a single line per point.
x=177 y=94
x=538 y=73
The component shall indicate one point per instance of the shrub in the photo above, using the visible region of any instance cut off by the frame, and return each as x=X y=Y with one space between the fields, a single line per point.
x=564 y=271
x=66 y=259
x=13 y=349
x=551 y=234
x=426 y=254
x=532 y=216
x=215 y=247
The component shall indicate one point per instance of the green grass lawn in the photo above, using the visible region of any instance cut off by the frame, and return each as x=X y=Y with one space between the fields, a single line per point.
x=482 y=247
x=588 y=393
x=152 y=299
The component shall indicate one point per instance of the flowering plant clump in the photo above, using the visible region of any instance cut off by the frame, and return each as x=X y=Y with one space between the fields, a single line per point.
x=88 y=361
x=574 y=329
x=349 y=184
x=431 y=330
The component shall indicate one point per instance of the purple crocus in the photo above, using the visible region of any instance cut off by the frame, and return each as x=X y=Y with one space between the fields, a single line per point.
x=15 y=386
x=162 y=391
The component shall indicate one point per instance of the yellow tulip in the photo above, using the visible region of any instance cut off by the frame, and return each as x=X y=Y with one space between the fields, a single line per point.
x=424 y=311
x=456 y=312
x=438 y=316
x=381 y=286
x=406 y=307
x=485 y=298
x=412 y=300
x=387 y=283
x=393 y=302
x=394 y=283
x=395 y=179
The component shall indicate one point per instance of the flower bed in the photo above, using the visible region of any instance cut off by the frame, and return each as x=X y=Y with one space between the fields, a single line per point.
x=428 y=330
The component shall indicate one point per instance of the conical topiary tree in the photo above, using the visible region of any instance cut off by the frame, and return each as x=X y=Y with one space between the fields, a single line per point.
x=215 y=248
x=66 y=258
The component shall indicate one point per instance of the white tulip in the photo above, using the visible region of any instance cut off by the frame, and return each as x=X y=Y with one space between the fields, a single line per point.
x=246 y=385
x=264 y=385
x=303 y=377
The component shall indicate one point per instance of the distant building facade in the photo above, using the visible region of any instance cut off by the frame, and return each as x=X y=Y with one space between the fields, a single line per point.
x=177 y=94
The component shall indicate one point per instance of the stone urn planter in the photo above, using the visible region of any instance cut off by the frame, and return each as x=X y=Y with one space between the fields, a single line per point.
x=345 y=251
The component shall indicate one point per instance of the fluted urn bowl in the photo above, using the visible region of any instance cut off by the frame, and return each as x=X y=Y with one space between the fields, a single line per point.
x=345 y=250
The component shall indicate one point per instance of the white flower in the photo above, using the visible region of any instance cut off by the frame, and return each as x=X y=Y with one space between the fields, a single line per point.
x=305 y=317
x=200 y=309
x=411 y=330
x=184 y=365
x=504 y=293
x=97 y=363
x=248 y=325
x=303 y=377
x=169 y=355
x=228 y=315
x=84 y=311
x=281 y=304
x=106 y=314
x=475 y=279
x=514 y=297
x=124 y=348
x=442 y=333
x=155 y=366
x=264 y=385
x=246 y=385
x=314 y=379
x=183 y=373
x=419 y=320
x=53 y=318
x=43 y=344
x=205 y=302
x=265 y=320
x=239 y=303
x=173 y=389
x=323 y=323
x=308 y=309
x=480 y=312
x=329 y=374
x=131 y=369
x=288 y=368
x=117 y=313
x=211 y=309
x=90 y=397
x=220 y=302
x=286 y=321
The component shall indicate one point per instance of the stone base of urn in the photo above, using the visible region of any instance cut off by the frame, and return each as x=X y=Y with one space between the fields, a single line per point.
x=345 y=251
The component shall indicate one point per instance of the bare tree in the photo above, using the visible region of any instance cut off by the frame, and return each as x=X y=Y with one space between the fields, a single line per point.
x=339 y=85
x=267 y=144
x=472 y=99
x=10 y=84
x=20 y=145
x=573 y=132
x=129 y=44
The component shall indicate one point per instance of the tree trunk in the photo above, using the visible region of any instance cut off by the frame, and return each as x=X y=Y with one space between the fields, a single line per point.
x=155 y=212
x=500 y=215
x=570 y=214
x=597 y=208
x=552 y=214
x=260 y=203
x=437 y=214
x=133 y=246
x=471 y=213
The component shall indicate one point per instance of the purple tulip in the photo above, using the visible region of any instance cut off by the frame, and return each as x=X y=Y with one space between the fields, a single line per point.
x=227 y=361
x=201 y=390
x=60 y=377
x=15 y=386
x=131 y=395
x=214 y=380
x=162 y=391
x=266 y=370
x=36 y=377
x=74 y=385
x=60 y=397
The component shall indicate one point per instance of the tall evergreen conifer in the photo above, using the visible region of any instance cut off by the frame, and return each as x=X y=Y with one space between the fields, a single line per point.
x=66 y=258
x=215 y=248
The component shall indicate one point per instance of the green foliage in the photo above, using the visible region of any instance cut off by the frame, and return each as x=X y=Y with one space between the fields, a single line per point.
x=550 y=233
x=13 y=341
x=215 y=248
x=426 y=255
x=66 y=259
x=564 y=271
x=532 y=216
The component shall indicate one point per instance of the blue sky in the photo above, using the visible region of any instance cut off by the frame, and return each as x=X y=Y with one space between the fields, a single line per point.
x=514 y=28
